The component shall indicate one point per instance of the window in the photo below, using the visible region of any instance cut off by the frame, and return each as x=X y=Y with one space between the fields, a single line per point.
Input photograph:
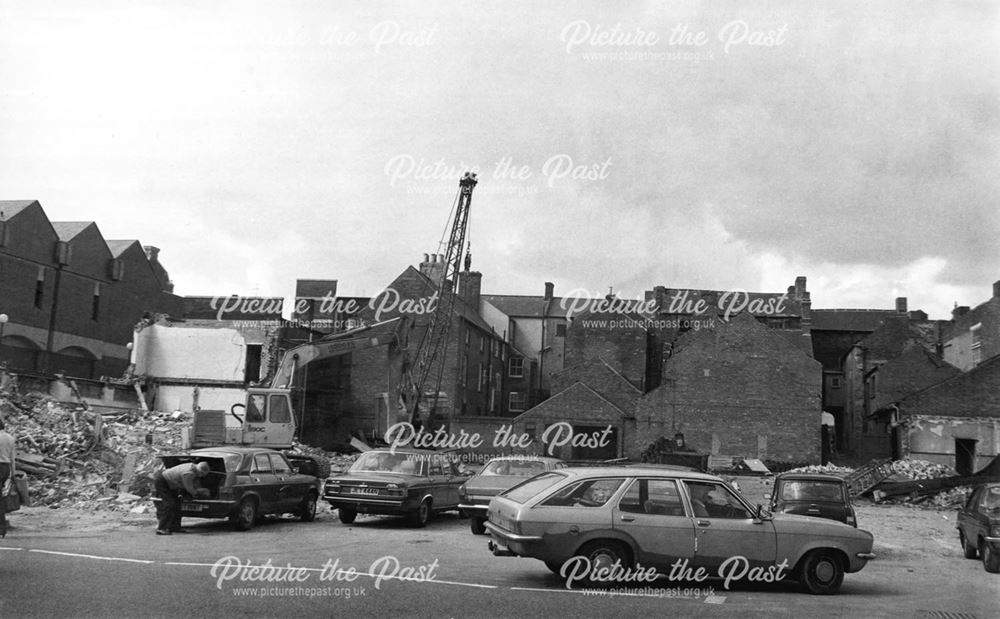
x=468 y=336
x=516 y=401
x=279 y=465
x=40 y=288
x=481 y=377
x=255 y=408
x=835 y=382
x=95 y=309
x=261 y=464
x=561 y=329
x=590 y=493
x=251 y=369
x=482 y=343
x=710 y=500
x=652 y=496
x=279 y=409
x=516 y=367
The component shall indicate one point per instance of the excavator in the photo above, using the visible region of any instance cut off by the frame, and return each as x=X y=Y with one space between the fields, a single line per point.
x=266 y=417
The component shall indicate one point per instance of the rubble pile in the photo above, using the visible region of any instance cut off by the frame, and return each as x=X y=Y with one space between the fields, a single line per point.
x=827 y=469
x=82 y=459
x=920 y=469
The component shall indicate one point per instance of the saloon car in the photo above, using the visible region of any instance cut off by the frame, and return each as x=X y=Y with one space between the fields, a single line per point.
x=247 y=483
x=979 y=526
x=634 y=518
x=397 y=482
x=498 y=475
x=813 y=494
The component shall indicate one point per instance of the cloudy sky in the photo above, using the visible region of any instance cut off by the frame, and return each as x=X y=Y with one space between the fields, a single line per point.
x=686 y=144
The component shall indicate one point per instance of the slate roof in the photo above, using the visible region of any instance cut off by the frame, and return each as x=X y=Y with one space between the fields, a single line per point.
x=524 y=306
x=67 y=230
x=10 y=208
x=118 y=246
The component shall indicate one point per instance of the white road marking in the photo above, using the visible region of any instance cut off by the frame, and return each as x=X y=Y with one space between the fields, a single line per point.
x=98 y=557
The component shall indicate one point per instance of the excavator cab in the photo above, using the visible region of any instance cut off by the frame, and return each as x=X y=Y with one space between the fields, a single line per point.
x=266 y=419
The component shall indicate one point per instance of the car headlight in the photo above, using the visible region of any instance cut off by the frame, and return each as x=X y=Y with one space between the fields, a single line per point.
x=995 y=531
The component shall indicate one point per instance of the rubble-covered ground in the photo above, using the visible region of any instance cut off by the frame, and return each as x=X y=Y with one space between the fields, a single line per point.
x=85 y=460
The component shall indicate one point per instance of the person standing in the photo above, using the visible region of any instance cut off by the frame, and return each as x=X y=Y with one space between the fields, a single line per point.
x=6 y=472
x=169 y=483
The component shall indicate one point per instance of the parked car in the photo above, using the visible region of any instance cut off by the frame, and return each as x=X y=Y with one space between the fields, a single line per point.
x=813 y=494
x=246 y=483
x=654 y=518
x=401 y=482
x=979 y=526
x=498 y=475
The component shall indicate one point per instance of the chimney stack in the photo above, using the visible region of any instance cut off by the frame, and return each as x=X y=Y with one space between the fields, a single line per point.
x=549 y=290
x=152 y=253
x=996 y=289
x=901 y=305
x=800 y=287
x=470 y=285
x=433 y=267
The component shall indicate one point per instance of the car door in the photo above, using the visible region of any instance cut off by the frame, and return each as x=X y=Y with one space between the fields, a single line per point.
x=291 y=487
x=652 y=513
x=724 y=527
x=439 y=483
x=264 y=482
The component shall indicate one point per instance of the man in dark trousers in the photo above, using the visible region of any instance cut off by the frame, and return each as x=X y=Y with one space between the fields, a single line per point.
x=7 y=457
x=169 y=483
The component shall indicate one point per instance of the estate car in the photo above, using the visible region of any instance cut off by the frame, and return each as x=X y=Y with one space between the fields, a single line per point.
x=245 y=483
x=400 y=482
x=620 y=518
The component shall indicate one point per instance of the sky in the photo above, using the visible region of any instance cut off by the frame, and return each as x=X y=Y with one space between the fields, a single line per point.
x=627 y=145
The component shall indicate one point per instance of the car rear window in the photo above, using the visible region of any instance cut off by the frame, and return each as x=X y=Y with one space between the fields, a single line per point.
x=812 y=490
x=515 y=468
x=529 y=488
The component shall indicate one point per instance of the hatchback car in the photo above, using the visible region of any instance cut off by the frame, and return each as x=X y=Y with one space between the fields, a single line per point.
x=813 y=494
x=246 y=483
x=400 y=482
x=979 y=526
x=498 y=475
x=655 y=518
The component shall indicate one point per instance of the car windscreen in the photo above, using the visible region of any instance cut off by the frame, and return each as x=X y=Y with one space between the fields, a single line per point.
x=529 y=488
x=513 y=468
x=386 y=462
x=812 y=490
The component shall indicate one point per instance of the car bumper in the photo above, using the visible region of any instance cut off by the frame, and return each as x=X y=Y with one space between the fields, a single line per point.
x=473 y=509
x=992 y=540
x=205 y=508
x=369 y=505
x=504 y=543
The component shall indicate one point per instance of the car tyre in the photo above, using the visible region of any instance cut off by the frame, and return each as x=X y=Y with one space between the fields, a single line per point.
x=604 y=554
x=478 y=525
x=422 y=515
x=246 y=515
x=822 y=572
x=991 y=560
x=967 y=549
x=347 y=514
x=307 y=513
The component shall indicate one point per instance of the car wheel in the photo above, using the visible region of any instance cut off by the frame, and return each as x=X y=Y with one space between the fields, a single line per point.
x=347 y=514
x=307 y=513
x=968 y=549
x=991 y=560
x=822 y=572
x=422 y=515
x=246 y=515
x=478 y=525
x=603 y=554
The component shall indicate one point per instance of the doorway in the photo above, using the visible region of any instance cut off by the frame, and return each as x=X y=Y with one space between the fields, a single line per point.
x=965 y=456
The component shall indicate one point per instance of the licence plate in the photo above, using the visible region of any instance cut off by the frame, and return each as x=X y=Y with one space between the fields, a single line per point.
x=363 y=491
x=194 y=507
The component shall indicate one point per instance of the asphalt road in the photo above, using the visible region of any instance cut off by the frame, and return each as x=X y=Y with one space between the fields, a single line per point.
x=380 y=567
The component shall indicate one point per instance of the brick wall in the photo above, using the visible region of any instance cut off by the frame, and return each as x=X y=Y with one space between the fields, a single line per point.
x=736 y=389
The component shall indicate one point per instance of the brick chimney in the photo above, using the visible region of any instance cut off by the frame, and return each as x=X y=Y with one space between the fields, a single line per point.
x=800 y=288
x=433 y=267
x=901 y=305
x=470 y=285
x=549 y=290
x=959 y=310
x=152 y=253
x=996 y=289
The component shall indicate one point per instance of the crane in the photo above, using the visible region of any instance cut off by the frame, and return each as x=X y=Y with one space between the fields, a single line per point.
x=435 y=337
